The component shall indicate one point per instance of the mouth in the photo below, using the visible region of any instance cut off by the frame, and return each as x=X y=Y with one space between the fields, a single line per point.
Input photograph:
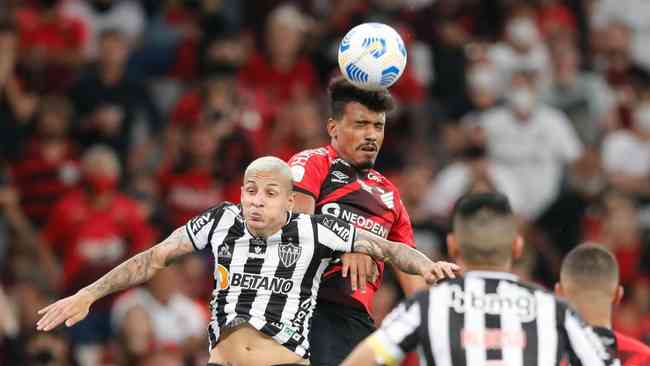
x=255 y=216
x=371 y=148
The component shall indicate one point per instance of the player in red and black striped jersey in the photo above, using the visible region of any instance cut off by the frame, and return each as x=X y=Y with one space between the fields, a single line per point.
x=339 y=180
x=590 y=281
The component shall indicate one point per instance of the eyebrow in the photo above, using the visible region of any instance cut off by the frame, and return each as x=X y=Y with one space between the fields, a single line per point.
x=368 y=121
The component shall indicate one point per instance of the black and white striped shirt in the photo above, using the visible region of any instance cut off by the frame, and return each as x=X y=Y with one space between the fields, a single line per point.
x=488 y=319
x=271 y=283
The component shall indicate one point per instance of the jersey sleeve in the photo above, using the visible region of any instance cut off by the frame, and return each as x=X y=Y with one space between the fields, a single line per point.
x=585 y=347
x=402 y=230
x=201 y=228
x=334 y=234
x=398 y=334
x=309 y=169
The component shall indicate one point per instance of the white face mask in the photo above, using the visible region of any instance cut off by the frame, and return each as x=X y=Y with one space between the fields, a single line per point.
x=522 y=31
x=522 y=100
x=484 y=79
x=642 y=117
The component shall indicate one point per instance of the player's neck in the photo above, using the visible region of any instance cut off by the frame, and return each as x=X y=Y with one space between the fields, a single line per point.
x=595 y=312
x=265 y=232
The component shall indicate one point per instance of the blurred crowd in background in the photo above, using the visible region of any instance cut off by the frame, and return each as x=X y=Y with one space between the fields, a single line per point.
x=121 y=119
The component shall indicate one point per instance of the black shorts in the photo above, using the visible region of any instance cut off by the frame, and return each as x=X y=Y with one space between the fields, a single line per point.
x=335 y=330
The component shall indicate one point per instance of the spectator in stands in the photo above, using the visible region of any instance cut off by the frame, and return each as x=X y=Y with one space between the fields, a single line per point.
x=17 y=103
x=585 y=97
x=626 y=152
x=622 y=73
x=299 y=127
x=237 y=125
x=109 y=104
x=92 y=230
x=474 y=171
x=158 y=317
x=48 y=167
x=19 y=242
x=534 y=140
x=281 y=69
x=616 y=225
x=522 y=46
x=190 y=185
x=632 y=14
x=51 y=43
x=126 y=16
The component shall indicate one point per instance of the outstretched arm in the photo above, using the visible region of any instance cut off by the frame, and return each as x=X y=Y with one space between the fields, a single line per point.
x=133 y=271
x=404 y=257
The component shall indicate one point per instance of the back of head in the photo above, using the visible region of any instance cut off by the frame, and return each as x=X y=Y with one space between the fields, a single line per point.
x=342 y=92
x=590 y=269
x=485 y=229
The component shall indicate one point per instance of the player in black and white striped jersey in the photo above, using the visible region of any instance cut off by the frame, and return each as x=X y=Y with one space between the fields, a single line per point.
x=488 y=317
x=267 y=269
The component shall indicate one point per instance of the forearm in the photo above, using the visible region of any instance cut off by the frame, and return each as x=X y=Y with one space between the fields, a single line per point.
x=133 y=271
x=142 y=266
x=405 y=258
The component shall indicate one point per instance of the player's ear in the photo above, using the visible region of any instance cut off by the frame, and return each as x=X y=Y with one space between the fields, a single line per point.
x=559 y=291
x=452 y=246
x=618 y=296
x=518 y=247
x=332 y=128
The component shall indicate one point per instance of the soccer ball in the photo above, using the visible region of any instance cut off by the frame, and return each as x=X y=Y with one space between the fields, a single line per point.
x=372 y=56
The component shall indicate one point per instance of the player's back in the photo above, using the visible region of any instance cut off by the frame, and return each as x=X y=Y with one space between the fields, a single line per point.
x=491 y=319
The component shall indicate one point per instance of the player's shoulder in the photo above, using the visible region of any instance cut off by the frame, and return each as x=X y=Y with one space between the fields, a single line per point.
x=311 y=155
x=626 y=343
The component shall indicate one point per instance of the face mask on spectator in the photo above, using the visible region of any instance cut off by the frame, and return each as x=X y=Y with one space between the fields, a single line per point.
x=101 y=184
x=522 y=100
x=484 y=79
x=522 y=31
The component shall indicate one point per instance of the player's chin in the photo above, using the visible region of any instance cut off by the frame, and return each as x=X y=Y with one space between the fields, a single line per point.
x=366 y=160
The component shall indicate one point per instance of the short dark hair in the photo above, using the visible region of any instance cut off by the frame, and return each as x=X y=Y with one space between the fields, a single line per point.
x=485 y=228
x=591 y=266
x=341 y=92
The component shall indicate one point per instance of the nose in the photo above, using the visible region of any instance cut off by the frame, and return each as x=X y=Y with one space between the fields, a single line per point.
x=371 y=135
x=258 y=199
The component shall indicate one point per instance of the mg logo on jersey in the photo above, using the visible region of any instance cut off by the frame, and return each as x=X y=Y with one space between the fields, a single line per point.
x=221 y=275
x=289 y=253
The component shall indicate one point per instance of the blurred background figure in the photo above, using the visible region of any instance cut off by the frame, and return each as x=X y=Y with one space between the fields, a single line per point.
x=111 y=107
x=160 y=317
x=92 y=230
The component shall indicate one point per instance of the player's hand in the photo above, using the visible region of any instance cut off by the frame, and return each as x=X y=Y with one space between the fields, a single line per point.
x=70 y=310
x=361 y=267
x=437 y=271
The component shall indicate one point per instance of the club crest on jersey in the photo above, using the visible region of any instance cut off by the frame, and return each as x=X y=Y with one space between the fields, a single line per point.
x=224 y=252
x=289 y=253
